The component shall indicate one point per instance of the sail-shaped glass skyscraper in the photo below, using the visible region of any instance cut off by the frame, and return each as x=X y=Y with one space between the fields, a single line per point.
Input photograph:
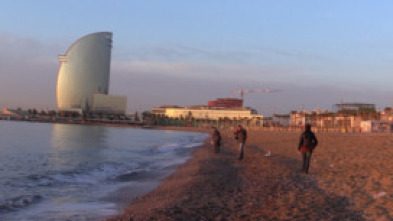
x=84 y=71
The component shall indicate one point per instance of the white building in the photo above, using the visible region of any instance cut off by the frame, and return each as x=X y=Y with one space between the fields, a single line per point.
x=370 y=126
x=109 y=104
x=207 y=113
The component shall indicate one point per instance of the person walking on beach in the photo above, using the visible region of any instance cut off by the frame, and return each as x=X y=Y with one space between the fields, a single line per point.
x=216 y=139
x=307 y=144
x=241 y=136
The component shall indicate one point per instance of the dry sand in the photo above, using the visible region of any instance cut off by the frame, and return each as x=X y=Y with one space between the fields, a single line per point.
x=351 y=178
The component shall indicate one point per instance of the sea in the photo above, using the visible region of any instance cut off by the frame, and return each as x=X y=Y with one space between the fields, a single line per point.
x=83 y=172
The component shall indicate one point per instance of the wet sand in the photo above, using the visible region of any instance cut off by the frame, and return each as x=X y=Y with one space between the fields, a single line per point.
x=351 y=178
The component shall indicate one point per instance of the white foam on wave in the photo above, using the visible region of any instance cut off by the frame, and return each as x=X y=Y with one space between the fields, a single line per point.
x=18 y=202
x=188 y=142
x=177 y=146
x=61 y=211
x=85 y=177
x=168 y=147
x=129 y=174
x=192 y=145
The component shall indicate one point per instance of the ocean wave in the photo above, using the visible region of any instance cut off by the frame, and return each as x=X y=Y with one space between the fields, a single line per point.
x=85 y=176
x=177 y=146
x=18 y=202
x=82 y=170
x=131 y=175
x=182 y=143
x=39 y=180
x=168 y=147
x=192 y=145
x=173 y=162
x=53 y=178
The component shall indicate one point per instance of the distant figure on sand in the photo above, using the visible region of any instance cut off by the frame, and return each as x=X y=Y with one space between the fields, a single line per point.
x=241 y=136
x=216 y=140
x=307 y=144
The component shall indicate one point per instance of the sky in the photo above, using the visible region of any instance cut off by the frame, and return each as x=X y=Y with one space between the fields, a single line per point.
x=317 y=53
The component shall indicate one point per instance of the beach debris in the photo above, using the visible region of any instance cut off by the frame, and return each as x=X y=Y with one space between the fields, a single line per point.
x=379 y=195
x=268 y=154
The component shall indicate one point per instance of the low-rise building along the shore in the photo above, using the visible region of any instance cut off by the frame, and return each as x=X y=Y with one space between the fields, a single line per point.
x=203 y=112
x=282 y=120
x=370 y=126
x=13 y=114
x=109 y=104
x=226 y=103
x=326 y=120
x=354 y=107
x=387 y=114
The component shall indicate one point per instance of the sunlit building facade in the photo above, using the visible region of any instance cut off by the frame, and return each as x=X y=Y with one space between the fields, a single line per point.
x=109 y=104
x=206 y=113
x=84 y=71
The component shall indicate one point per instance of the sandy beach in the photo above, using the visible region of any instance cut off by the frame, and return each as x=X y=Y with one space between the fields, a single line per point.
x=351 y=178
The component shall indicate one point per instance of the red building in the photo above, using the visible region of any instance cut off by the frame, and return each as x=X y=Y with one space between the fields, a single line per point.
x=226 y=103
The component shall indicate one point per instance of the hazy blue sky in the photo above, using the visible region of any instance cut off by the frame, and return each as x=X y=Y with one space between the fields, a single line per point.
x=188 y=52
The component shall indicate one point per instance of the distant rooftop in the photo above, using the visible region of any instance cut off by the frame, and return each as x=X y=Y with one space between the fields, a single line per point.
x=354 y=106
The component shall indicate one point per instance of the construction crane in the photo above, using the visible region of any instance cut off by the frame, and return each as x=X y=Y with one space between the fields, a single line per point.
x=242 y=91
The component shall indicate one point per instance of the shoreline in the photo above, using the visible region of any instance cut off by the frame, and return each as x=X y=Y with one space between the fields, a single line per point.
x=347 y=181
x=350 y=178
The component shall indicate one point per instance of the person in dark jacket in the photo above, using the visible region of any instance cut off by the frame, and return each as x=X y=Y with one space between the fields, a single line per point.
x=241 y=137
x=216 y=140
x=307 y=144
